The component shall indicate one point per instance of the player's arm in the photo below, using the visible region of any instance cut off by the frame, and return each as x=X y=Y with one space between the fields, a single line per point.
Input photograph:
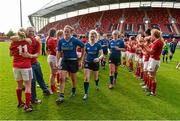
x=14 y=38
x=101 y=55
x=148 y=50
x=17 y=38
x=120 y=47
x=28 y=55
x=58 y=56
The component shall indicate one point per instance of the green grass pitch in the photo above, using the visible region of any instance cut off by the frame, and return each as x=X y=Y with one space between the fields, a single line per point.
x=126 y=101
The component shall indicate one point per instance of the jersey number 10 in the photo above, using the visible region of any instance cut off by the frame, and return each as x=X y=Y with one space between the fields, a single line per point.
x=22 y=49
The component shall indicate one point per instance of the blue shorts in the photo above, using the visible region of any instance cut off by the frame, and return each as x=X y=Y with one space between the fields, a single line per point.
x=165 y=52
x=116 y=60
x=92 y=66
x=69 y=65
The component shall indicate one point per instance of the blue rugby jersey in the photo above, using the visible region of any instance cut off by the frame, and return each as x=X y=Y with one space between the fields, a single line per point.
x=118 y=43
x=92 y=51
x=69 y=48
x=104 y=42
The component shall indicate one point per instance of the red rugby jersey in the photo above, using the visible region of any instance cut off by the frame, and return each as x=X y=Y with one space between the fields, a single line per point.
x=157 y=46
x=17 y=48
x=52 y=45
x=36 y=46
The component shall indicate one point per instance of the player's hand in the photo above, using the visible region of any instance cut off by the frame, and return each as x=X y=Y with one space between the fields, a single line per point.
x=116 y=47
x=28 y=40
x=26 y=55
x=96 y=60
x=141 y=45
x=57 y=65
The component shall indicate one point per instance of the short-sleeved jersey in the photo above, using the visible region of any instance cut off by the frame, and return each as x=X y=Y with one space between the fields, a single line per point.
x=84 y=40
x=36 y=46
x=112 y=44
x=157 y=46
x=17 y=48
x=131 y=49
x=166 y=46
x=92 y=51
x=104 y=43
x=173 y=45
x=52 y=46
x=68 y=47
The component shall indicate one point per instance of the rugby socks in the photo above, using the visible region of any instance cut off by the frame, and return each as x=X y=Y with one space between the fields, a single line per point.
x=97 y=82
x=154 y=87
x=58 y=77
x=28 y=99
x=86 y=86
x=149 y=83
x=73 y=90
x=137 y=70
x=142 y=73
x=166 y=59
x=131 y=66
x=53 y=88
x=19 y=95
x=115 y=75
x=111 y=79
x=170 y=57
x=61 y=95
x=124 y=63
x=163 y=58
x=145 y=78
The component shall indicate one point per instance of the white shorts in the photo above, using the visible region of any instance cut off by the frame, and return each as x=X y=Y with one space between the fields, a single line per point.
x=136 y=58
x=25 y=74
x=152 y=64
x=140 y=60
x=123 y=54
x=130 y=55
x=79 y=54
x=51 y=59
x=127 y=53
x=145 y=65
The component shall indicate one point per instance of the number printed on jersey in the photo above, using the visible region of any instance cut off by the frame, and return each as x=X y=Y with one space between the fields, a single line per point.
x=22 y=49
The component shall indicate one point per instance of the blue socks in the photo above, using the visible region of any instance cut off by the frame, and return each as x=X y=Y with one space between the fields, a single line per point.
x=61 y=94
x=111 y=79
x=97 y=81
x=73 y=90
x=86 y=86
x=115 y=75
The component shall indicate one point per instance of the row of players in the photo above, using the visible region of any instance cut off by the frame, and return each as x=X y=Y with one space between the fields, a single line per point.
x=63 y=59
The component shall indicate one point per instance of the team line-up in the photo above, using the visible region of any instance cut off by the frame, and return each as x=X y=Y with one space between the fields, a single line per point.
x=67 y=54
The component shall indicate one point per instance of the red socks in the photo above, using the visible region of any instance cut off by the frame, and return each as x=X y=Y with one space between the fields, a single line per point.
x=28 y=99
x=154 y=87
x=142 y=73
x=124 y=63
x=145 y=78
x=131 y=65
x=53 y=88
x=58 y=77
x=137 y=70
x=149 y=83
x=19 y=95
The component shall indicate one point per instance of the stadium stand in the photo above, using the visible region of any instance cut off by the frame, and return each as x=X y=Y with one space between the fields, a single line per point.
x=107 y=21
